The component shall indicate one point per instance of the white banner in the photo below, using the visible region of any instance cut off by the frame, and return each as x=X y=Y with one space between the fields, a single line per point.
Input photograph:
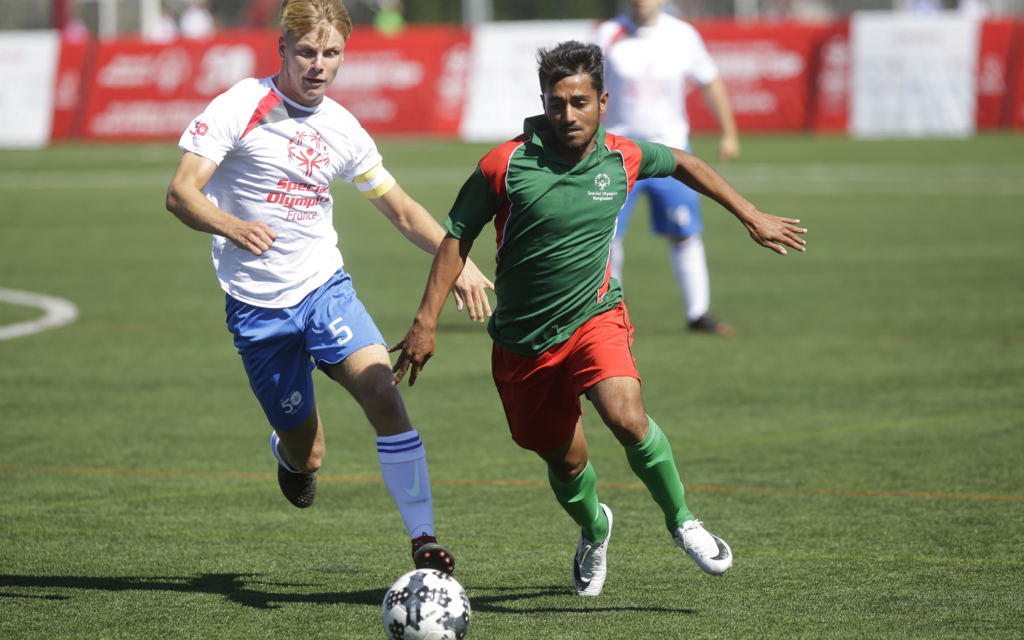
x=28 y=69
x=913 y=76
x=503 y=85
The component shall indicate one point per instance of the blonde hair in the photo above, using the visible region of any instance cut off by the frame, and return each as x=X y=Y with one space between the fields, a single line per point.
x=300 y=17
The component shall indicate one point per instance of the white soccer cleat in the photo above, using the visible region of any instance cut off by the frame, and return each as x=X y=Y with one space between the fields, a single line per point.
x=590 y=564
x=710 y=552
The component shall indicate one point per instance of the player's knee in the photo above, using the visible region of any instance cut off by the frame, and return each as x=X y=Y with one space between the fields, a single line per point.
x=383 y=406
x=628 y=424
x=567 y=471
x=626 y=413
x=678 y=240
x=379 y=392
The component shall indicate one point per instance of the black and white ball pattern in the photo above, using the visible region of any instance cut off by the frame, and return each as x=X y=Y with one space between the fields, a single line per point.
x=426 y=605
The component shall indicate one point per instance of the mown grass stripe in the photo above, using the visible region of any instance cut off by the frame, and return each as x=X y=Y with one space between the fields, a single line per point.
x=510 y=483
x=491 y=544
x=217 y=328
x=91 y=502
x=813 y=179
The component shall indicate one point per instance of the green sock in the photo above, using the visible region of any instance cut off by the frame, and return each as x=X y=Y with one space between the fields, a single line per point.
x=579 y=499
x=651 y=461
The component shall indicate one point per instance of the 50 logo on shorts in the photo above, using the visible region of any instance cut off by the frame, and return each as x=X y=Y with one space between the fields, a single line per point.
x=292 y=403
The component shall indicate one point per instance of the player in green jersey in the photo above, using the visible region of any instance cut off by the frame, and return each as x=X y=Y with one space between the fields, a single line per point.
x=560 y=328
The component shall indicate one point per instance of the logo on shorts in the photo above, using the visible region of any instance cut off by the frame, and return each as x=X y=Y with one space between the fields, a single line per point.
x=308 y=151
x=292 y=403
x=681 y=216
x=602 y=180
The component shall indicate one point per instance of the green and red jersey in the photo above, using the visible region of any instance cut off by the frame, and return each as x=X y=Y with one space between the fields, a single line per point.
x=554 y=226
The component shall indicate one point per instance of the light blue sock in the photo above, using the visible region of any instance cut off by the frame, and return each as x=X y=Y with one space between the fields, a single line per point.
x=403 y=463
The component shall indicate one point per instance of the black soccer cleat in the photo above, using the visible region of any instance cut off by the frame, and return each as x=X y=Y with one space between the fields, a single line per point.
x=299 y=488
x=708 y=323
x=428 y=554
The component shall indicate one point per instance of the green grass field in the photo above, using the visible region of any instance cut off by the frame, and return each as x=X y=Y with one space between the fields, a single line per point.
x=860 y=442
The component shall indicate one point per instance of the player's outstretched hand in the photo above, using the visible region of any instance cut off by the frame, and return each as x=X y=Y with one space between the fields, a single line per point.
x=774 y=232
x=253 y=236
x=470 y=290
x=416 y=348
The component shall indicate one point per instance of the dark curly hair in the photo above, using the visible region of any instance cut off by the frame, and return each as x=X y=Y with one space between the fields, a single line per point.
x=568 y=59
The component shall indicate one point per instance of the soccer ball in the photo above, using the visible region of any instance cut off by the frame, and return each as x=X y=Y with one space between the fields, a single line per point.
x=426 y=604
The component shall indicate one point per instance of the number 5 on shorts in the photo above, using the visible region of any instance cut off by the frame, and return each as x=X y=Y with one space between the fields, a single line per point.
x=340 y=331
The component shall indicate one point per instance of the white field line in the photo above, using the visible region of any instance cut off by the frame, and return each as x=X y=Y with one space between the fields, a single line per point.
x=793 y=179
x=58 y=312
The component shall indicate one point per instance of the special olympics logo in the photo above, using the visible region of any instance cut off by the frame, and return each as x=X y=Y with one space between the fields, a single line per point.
x=602 y=180
x=201 y=129
x=308 y=151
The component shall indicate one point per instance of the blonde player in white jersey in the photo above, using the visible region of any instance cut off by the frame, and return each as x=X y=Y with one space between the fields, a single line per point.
x=649 y=56
x=255 y=173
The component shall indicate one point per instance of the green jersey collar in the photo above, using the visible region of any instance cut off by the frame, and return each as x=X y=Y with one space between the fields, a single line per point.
x=534 y=125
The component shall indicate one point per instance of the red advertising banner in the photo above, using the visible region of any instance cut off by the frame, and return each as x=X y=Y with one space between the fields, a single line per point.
x=830 y=98
x=993 y=66
x=141 y=90
x=1013 y=112
x=766 y=69
x=780 y=77
x=415 y=83
x=69 y=90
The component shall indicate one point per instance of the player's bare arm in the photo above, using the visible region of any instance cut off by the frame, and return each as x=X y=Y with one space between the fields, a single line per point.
x=418 y=344
x=718 y=98
x=767 y=230
x=420 y=228
x=185 y=199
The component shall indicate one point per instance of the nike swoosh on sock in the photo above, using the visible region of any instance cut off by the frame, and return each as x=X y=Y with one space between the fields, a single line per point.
x=415 y=491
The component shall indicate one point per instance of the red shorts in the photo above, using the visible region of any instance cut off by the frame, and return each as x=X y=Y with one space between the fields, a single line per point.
x=541 y=394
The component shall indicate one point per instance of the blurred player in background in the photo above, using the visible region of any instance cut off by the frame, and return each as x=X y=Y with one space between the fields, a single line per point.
x=256 y=173
x=649 y=56
x=561 y=329
x=197 y=21
x=164 y=29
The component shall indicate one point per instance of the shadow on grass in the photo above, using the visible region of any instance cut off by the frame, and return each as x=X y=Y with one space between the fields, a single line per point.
x=19 y=595
x=232 y=586
x=515 y=595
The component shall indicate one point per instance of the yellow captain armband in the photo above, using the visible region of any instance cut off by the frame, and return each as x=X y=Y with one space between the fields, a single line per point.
x=375 y=182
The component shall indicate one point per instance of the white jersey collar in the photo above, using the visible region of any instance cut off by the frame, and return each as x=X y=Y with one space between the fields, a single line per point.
x=309 y=110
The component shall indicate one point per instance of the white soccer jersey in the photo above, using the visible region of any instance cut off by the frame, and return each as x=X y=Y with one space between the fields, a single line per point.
x=275 y=162
x=646 y=69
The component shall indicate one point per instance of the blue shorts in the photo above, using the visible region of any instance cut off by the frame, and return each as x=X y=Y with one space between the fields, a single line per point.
x=280 y=346
x=675 y=208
